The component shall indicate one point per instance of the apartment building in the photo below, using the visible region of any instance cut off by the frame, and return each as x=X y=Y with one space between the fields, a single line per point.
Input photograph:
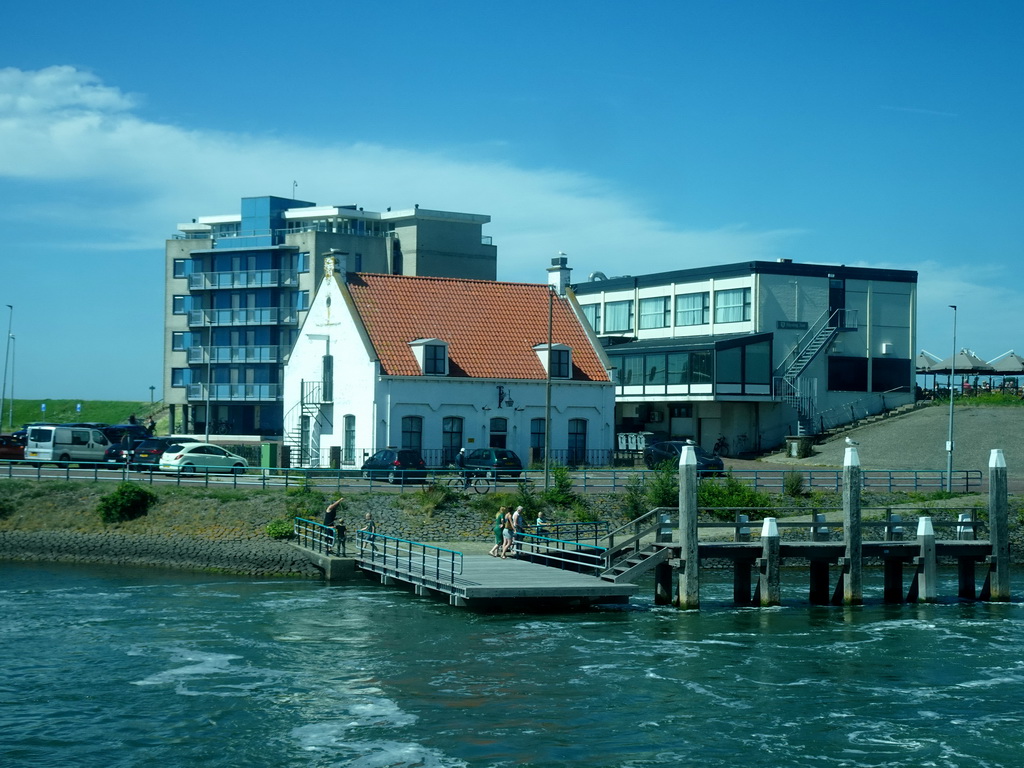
x=754 y=352
x=238 y=287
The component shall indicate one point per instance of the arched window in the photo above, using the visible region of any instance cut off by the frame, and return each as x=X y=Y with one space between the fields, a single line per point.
x=577 y=441
x=412 y=433
x=451 y=438
x=349 y=437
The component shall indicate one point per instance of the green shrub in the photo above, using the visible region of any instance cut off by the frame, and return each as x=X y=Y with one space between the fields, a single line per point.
x=435 y=496
x=280 y=528
x=6 y=509
x=560 y=493
x=793 y=484
x=127 y=502
x=305 y=503
x=663 y=486
x=729 y=492
x=634 y=499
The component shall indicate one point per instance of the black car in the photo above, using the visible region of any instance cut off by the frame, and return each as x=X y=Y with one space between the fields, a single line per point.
x=395 y=466
x=496 y=462
x=659 y=453
x=151 y=450
x=117 y=432
x=118 y=453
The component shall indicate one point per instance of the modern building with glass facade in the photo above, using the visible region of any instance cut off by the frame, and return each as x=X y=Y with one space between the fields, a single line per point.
x=756 y=351
x=238 y=287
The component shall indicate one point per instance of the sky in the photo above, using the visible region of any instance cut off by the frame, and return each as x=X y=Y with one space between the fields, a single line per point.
x=635 y=138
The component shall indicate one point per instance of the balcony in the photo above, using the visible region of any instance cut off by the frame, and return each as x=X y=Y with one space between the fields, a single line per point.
x=269 y=353
x=255 y=316
x=260 y=278
x=237 y=393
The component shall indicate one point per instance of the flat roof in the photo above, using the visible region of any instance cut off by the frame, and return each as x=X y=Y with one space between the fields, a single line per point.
x=741 y=269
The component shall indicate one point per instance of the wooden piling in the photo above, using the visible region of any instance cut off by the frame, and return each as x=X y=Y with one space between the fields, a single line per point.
x=927 y=562
x=689 y=574
x=999 y=562
x=853 y=592
x=770 y=565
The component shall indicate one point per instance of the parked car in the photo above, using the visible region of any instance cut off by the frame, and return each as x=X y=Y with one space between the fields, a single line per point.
x=201 y=457
x=151 y=451
x=116 y=432
x=119 y=453
x=497 y=462
x=11 y=448
x=395 y=466
x=669 y=450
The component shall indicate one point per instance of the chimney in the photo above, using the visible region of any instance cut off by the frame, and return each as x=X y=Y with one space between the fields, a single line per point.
x=558 y=274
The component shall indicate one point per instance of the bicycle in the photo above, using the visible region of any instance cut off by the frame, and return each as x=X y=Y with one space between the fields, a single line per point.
x=721 y=447
x=465 y=481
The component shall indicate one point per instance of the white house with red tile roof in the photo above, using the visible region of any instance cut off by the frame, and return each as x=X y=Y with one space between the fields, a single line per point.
x=438 y=364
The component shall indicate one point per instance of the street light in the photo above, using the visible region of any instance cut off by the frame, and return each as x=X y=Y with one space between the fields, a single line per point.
x=949 y=441
x=7 y=354
x=151 y=390
x=10 y=414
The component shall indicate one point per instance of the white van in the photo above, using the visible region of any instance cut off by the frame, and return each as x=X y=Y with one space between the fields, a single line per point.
x=68 y=445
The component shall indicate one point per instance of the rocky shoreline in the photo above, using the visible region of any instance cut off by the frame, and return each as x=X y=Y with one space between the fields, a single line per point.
x=243 y=557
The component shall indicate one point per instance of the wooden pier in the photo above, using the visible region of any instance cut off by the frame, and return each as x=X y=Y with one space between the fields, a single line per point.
x=485 y=582
x=757 y=565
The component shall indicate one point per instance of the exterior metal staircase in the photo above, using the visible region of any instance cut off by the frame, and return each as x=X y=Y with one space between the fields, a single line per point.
x=305 y=422
x=790 y=386
x=642 y=544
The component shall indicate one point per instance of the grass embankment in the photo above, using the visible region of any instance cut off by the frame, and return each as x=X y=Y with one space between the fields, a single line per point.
x=68 y=411
x=208 y=513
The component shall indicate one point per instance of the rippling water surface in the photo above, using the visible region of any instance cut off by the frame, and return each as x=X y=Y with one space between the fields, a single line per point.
x=115 y=667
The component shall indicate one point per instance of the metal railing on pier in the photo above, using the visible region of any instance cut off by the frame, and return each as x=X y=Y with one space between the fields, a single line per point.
x=380 y=552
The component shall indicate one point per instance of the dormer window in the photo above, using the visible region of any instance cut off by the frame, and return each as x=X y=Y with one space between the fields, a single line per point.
x=432 y=356
x=561 y=360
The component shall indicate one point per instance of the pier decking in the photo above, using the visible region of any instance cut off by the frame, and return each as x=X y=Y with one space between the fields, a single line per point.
x=484 y=581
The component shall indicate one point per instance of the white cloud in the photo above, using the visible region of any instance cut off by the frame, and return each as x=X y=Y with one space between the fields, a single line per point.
x=63 y=124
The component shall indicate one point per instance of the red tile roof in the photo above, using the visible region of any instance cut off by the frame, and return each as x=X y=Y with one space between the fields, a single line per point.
x=490 y=327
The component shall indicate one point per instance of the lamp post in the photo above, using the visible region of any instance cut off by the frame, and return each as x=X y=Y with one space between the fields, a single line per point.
x=547 y=397
x=7 y=354
x=152 y=389
x=949 y=440
x=10 y=413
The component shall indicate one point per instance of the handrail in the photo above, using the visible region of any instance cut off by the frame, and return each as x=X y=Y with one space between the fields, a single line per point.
x=409 y=557
x=556 y=553
x=313 y=535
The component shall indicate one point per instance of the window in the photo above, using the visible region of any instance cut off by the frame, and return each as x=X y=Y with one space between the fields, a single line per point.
x=693 y=309
x=301 y=300
x=618 y=316
x=412 y=433
x=181 y=377
x=654 y=369
x=537 y=439
x=499 y=432
x=561 y=364
x=451 y=438
x=302 y=262
x=701 y=367
x=348 y=455
x=435 y=359
x=732 y=306
x=577 y=441
x=677 y=368
x=327 y=377
x=181 y=341
x=632 y=371
x=655 y=313
x=181 y=305
x=183 y=267
x=592 y=313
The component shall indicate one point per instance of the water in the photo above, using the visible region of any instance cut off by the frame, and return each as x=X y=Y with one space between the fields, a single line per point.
x=121 y=667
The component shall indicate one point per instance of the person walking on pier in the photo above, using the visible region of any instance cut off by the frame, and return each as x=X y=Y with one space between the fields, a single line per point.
x=518 y=527
x=371 y=528
x=499 y=523
x=507 y=530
